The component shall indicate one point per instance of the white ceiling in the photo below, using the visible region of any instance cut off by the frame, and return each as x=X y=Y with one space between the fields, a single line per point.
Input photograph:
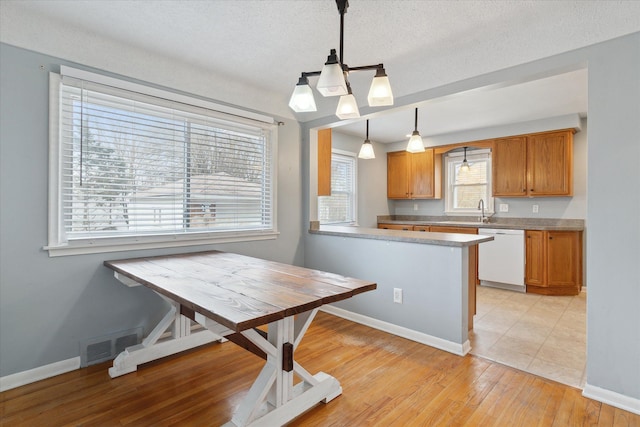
x=266 y=44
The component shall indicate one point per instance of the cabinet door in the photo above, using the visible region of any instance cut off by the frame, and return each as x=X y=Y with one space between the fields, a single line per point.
x=535 y=259
x=550 y=164
x=563 y=261
x=421 y=178
x=398 y=175
x=509 y=167
x=324 y=162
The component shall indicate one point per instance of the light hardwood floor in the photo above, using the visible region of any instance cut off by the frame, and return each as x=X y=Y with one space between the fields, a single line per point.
x=386 y=380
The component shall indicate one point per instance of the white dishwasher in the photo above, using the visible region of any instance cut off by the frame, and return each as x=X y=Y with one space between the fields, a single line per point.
x=501 y=262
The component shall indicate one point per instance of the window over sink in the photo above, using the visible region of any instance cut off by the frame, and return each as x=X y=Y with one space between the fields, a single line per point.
x=464 y=189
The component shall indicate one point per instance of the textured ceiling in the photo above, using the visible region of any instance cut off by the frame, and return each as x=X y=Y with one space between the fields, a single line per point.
x=266 y=44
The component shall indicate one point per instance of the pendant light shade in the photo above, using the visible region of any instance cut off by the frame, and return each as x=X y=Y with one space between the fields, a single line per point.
x=465 y=165
x=347 y=106
x=302 y=99
x=332 y=81
x=380 y=93
x=415 y=144
x=366 y=151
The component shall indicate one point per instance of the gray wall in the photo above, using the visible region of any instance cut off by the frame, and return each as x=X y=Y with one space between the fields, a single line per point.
x=613 y=207
x=613 y=199
x=48 y=305
x=434 y=282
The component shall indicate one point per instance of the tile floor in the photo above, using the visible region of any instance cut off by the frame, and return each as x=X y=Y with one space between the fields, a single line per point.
x=543 y=335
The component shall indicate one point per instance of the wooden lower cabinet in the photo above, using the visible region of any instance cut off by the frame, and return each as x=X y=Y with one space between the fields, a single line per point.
x=473 y=265
x=553 y=262
x=405 y=227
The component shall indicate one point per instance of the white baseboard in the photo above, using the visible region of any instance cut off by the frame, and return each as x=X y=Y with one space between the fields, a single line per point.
x=430 y=340
x=612 y=398
x=40 y=373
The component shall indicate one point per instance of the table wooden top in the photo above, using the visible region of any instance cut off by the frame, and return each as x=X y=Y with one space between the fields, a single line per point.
x=237 y=291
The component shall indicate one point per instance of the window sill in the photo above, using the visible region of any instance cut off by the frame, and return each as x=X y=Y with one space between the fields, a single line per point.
x=105 y=245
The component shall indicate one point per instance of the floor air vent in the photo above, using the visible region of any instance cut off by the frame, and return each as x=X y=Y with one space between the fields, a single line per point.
x=101 y=349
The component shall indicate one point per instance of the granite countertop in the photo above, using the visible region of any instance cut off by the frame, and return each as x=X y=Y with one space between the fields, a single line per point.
x=440 y=239
x=472 y=222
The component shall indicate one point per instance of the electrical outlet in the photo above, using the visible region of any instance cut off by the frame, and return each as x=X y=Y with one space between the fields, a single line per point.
x=504 y=207
x=415 y=206
x=397 y=295
x=535 y=208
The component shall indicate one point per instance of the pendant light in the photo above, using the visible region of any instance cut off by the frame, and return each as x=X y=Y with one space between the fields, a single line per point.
x=302 y=99
x=465 y=165
x=333 y=81
x=347 y=106
x=415 y=144
x=366 y=151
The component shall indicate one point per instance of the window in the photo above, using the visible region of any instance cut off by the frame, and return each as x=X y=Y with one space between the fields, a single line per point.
x=340 y=207
x=131 y=168
x=465 y=189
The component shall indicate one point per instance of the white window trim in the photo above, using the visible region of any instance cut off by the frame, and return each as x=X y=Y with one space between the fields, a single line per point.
x=454 y=157
x=57 y=247
x=355 y=186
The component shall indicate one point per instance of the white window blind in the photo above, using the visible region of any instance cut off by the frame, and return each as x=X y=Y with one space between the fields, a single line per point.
x=340 y=207
x=465 y=189
x=134 y=165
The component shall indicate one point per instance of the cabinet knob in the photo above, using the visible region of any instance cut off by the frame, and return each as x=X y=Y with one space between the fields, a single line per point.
x=550 y=238
x=531 y=189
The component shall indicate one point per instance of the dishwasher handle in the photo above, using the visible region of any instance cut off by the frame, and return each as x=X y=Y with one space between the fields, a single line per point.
x=500 y=231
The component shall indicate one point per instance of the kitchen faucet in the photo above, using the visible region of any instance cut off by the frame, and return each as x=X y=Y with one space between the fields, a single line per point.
x=483 y=219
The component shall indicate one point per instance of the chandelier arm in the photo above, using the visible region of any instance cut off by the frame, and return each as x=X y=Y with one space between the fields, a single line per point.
x=364 y=67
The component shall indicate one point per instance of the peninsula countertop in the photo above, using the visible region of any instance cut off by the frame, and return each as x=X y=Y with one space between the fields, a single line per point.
x=554 y=224
x=428 y=238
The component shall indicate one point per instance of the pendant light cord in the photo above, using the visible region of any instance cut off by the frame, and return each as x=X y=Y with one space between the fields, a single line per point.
x=416 y=129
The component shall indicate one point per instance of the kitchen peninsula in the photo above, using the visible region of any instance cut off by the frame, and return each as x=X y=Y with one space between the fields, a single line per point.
x=426 y=274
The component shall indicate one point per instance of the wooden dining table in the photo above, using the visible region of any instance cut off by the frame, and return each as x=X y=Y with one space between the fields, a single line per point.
x=220 y=296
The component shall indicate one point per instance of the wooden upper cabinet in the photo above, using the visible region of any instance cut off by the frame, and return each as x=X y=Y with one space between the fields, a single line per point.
x=550 y=164
x=414 y=175
x=533 y=165
x=398 y=170
x=324 y=162
x=509 y=167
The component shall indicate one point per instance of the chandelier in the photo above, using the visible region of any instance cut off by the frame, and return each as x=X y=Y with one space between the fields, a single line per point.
x=333 y=81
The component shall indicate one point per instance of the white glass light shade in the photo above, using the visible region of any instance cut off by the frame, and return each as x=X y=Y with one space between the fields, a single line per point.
x=380 y=92
x=464 y=167
x=347 y=107
x=331 y=81
x=415 y=144
x=366 y=151
x=302 y=99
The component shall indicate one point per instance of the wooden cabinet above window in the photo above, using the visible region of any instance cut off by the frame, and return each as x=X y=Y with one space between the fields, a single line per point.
x=414 y=176
x=533 y=165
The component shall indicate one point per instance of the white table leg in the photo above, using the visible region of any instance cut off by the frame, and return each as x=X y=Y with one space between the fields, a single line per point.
x=153 y=347
x=273 y=398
